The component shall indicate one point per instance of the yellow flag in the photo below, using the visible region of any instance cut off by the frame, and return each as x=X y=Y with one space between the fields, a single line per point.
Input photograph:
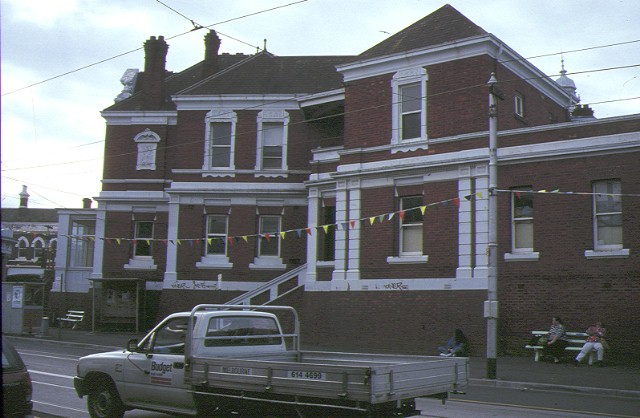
x=326 y=228
x=372 y=219
x=282 y=234
x=423 y=208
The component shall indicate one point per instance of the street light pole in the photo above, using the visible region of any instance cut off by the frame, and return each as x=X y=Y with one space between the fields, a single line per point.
x=491 y=304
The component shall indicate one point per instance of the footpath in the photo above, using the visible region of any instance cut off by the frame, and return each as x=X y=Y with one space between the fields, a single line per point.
x=512 y=372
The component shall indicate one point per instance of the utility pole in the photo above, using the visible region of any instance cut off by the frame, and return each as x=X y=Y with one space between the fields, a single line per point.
x=491 y=304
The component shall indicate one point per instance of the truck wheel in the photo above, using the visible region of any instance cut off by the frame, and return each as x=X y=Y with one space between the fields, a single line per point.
x=104 y=402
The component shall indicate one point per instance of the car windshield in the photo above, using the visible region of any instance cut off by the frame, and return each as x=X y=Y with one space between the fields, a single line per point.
x=10 y=358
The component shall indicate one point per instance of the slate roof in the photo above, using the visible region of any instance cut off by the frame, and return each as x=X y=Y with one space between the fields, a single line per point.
x=26 y=215
x=442 y=26
x=265 y=73
x=174 y=83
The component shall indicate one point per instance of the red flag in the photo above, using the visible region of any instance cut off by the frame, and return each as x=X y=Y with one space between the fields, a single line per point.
x=456 y=201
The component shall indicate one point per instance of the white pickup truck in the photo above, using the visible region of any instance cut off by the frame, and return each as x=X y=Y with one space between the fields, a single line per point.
x=222 y=360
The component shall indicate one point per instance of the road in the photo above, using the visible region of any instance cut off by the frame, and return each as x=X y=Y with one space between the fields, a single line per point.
x=52 y=367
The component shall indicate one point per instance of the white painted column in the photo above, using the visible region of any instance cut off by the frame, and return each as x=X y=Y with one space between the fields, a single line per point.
x=353 y=260
x=338 y=280
x=465 y=226
x=171 y=274
x=312 y=241
x=98 y=248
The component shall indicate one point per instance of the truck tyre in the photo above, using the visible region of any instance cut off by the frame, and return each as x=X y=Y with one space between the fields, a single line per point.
x=104 y=402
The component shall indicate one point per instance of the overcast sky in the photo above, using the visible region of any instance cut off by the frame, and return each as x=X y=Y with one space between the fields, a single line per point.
x=53 y=134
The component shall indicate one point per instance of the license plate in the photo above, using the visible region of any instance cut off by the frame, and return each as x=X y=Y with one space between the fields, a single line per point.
x=306 y=375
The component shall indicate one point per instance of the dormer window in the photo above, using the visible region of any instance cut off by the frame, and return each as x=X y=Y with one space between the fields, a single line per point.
x=409 y=110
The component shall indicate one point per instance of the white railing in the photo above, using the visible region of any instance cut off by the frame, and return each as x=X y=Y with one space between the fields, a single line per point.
x=273 y=287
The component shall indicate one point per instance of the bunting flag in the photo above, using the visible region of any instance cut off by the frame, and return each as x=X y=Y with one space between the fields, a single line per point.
x=345 y=225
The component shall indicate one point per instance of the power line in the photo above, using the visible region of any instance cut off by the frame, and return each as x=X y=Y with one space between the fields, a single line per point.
x=466 y=88
x=139 y=48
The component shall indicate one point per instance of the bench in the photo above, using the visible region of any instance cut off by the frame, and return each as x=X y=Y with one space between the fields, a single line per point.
x=576 y=341
x=73 y=318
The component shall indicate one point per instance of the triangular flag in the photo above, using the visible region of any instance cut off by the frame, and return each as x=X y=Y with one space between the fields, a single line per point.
x=326 y=228
x=381 y=218
x=298 y=232
x=391 y=215
x=282 y=234
x=118 y=241
x=401 y=214
x=345 y=226
x=422 y=209
x=210 y=240
x=268 y=237
x=244 y=237
x=479 y=195
x=518 y=194
x=148 y=242
x=555 y=191
x=230 y=239
x=353 y=224
x=134 y=241
x=456 y=201
x=179 y=242
x=165 y=242
x=468 y=197
x=372 y=219
x=542 y=191
x=308 y=231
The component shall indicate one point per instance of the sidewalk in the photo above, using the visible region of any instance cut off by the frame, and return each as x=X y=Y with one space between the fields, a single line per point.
x=512 y=372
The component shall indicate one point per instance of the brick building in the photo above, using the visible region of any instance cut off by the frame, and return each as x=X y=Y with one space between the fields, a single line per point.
x=355 y=188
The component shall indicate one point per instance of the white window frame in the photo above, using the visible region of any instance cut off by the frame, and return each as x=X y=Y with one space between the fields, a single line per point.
x=413 y=225
x=612 y=193
x=82 y=243
x=516 y=220
x=219 y=116
x=518 y=105
x=269 y=262
x=267 y=117
x=38 y=251
x=147 y=146
x=139 y=238
x=22 y=245
x=215 y=260
x=399 y=80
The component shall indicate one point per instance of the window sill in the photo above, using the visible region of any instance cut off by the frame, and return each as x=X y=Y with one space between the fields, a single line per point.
x=214 y=262
x=145 y=263
x=267 y=263
x=325 y=264
x=275 y=173
x=530 y=256
x=409 y=145
x=224 y=172
x=598 y=254
x=408 y=259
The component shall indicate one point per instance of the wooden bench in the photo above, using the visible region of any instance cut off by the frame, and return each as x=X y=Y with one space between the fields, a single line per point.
x=576 y=341
x=73 y=318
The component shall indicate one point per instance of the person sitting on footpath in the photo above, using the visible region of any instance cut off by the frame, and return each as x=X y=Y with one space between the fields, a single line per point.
x=557 y=340
x=595 y=341
x=457 y=346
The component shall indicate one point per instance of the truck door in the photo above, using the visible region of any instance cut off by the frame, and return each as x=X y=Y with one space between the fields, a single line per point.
x=154 y=376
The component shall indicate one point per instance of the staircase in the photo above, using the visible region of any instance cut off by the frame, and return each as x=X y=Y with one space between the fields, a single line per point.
x=273 y=289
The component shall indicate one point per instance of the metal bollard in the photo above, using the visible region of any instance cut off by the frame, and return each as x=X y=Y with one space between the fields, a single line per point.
x=44 y=326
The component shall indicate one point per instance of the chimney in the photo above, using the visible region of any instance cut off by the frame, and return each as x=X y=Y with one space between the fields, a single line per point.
x=24 y=197
x=211 y=47
x=155 y=57
x=86 y=203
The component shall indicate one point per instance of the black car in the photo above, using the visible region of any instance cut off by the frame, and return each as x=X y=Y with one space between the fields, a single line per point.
x=16 y=383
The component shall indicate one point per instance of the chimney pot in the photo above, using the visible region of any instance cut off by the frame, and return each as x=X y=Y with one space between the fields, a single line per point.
x=211 y=48
x=24 y=197
x=86 y=203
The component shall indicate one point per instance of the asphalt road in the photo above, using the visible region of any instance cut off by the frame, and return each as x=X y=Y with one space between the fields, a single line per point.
x=52 y=367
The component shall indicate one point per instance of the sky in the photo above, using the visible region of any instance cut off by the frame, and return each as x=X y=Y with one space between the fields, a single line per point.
x=61 y=62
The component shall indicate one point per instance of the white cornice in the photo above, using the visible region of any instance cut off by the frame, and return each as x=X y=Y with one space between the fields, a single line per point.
x=238 y=101
x=140 y=117
x=321 y=98
x=453 y=51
